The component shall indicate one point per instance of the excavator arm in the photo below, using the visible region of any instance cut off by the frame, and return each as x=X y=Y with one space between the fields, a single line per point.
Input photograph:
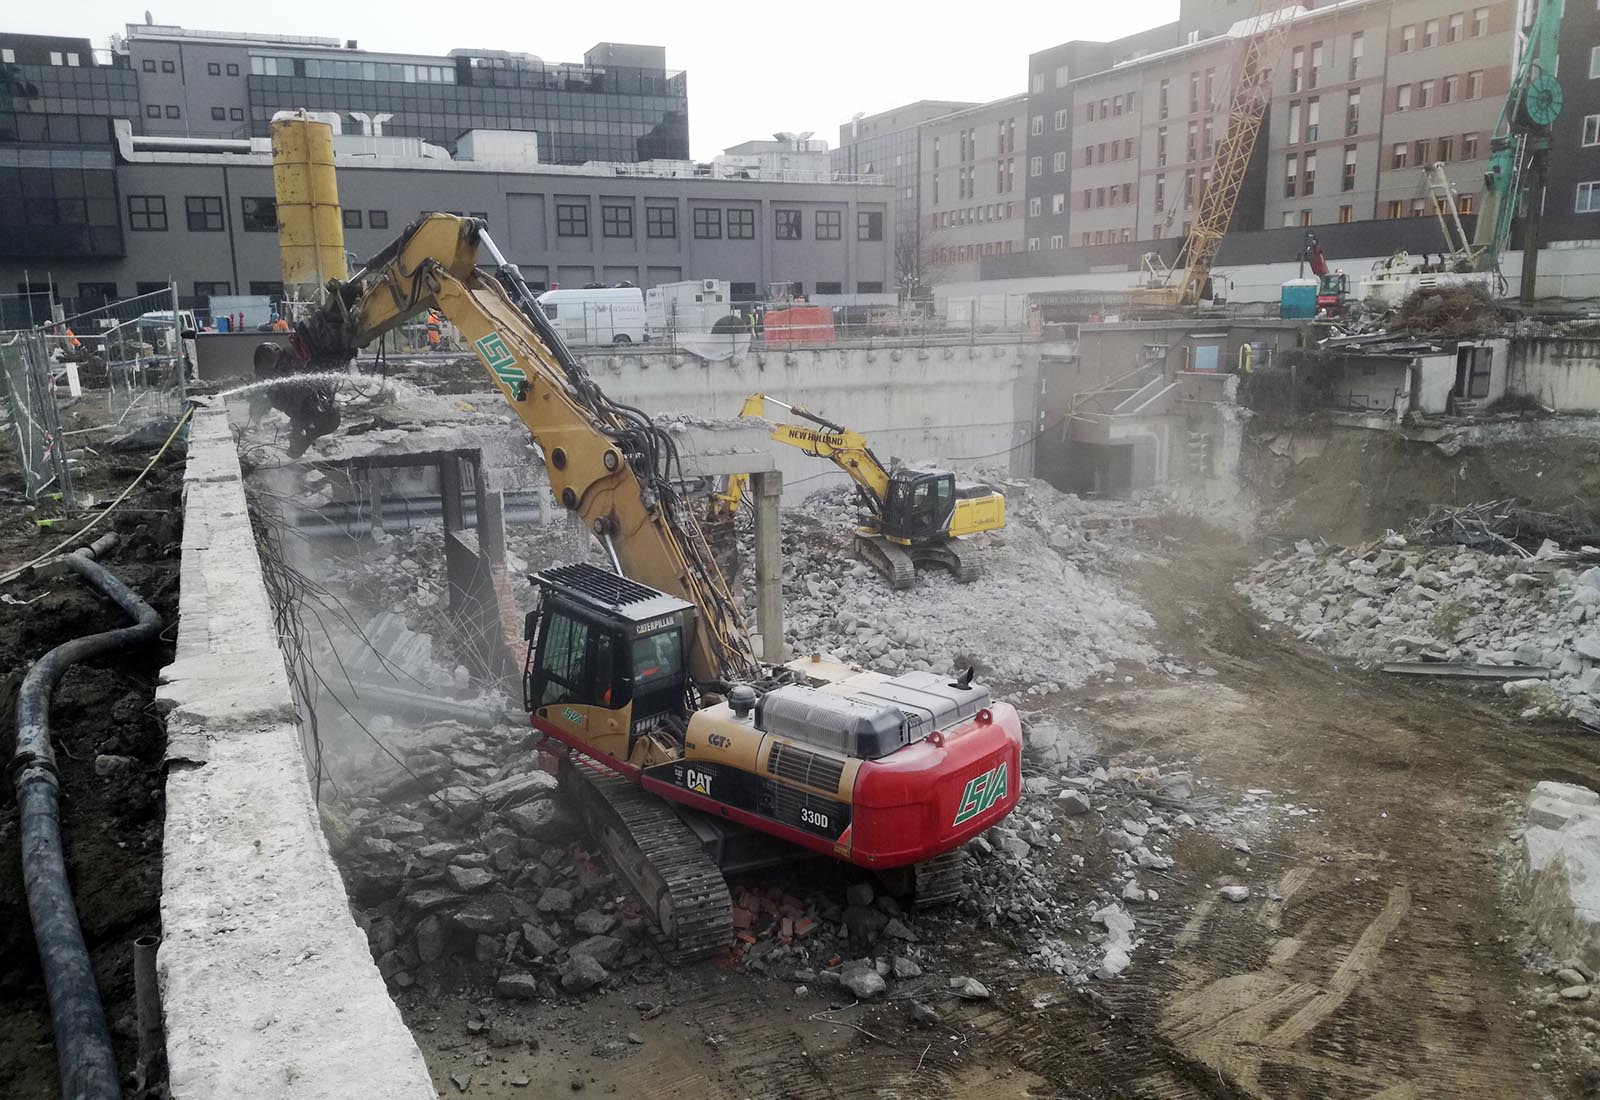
x=607 y=462
x=846 y=449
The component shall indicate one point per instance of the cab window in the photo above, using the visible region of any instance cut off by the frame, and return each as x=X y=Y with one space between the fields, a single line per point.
x=657 y=658
x=578 y=664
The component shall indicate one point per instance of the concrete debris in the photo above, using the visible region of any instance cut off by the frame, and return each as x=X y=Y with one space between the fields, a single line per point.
x=1398 y=601
x=969 y=989
x=1073 y=802
x=1559 y=875
x=1234 y=893
x=862 y=980
x=1065 y=621
x=582 y=973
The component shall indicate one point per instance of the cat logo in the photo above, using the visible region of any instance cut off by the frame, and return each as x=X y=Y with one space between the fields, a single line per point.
x=719 y=741
x=697 y=781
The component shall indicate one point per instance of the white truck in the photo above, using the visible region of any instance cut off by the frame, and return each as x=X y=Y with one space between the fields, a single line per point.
x=601 y=315
x=693 y=305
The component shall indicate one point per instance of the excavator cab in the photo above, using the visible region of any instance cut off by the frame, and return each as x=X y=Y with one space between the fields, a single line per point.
x=919 y=505
x=599 y=641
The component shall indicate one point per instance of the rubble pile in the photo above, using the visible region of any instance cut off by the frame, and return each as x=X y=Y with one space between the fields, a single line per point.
x=463 y=863
x=1036 y=617
x=1395 y=600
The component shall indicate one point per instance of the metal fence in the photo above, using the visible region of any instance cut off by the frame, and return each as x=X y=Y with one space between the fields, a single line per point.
x=138 y=351
x=29 y=387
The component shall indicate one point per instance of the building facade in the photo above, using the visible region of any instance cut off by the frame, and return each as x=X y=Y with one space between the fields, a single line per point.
x=1367 y=94
x=887 y=145
x=1572 y=188
x=207 y=220
x=620 y=104
x=972 y=188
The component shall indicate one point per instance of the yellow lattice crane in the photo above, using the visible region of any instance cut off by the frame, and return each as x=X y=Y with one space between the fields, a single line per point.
x=1184 y=283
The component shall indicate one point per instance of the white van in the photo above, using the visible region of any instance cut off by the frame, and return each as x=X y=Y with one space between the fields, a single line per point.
x=604 y=315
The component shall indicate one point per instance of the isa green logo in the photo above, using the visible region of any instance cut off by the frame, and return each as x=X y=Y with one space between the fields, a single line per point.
x=982 y=793
x=498 y=358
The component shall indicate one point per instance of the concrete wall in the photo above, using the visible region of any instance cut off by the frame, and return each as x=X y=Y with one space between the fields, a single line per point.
x=964 y=405
x=1562 y=373
x=267 y=985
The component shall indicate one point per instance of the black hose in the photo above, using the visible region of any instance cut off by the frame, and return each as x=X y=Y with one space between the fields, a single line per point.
x=83 y=1042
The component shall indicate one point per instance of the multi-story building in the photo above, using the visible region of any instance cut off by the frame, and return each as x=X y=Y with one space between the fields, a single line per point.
x=94 y=206
x=620 y=104
x=1446 y=70
x=208 y=220
x=1064 y=136
x=1367 y=93
x=972 y=189
x=1572 y=187
x=886 y=145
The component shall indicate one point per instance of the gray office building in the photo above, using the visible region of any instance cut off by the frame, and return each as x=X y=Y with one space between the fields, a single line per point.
x=207 y=219
x=121 y=169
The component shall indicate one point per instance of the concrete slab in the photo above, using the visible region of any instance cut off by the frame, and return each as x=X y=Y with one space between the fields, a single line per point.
x=268 y=988
x=1560 y=874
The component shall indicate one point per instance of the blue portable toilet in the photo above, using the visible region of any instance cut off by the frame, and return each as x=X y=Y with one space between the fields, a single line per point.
x=1298 y=299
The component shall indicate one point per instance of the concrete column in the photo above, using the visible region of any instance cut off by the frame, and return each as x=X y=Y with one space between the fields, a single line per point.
x=450 y=491
x=767 y=489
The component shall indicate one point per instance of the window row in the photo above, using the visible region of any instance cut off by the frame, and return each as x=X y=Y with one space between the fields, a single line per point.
x=713 y=223
x=1095 y=197
x=204 y=214
x=1421 y=154
x=1121 y=150
x=155 y=110
x=964 y=253
x=1425 y=208
x=1106 y=107
x=352 y=70
x=231 y=114
x=1424 y=35
x=1106 y=236
x=1448 y=89
x=972 y=215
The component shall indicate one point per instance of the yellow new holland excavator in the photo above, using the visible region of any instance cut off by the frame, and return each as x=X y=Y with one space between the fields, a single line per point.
x=911 y=516
x=686 y=753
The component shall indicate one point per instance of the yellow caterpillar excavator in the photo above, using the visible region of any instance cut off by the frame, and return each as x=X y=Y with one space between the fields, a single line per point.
x=911 y=517
x=687 y=754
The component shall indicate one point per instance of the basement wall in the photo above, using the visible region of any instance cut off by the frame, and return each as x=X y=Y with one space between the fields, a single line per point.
x=1559 y=372
x=964 y=405
x=268 y=988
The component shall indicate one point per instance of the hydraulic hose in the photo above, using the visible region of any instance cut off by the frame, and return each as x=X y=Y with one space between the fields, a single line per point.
x=83 y=1042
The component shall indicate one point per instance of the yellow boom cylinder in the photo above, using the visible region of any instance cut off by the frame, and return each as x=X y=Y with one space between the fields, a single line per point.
x=310 y=226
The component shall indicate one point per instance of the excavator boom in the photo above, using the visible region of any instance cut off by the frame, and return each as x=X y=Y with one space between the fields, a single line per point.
x=606 y=461
x=846 y=449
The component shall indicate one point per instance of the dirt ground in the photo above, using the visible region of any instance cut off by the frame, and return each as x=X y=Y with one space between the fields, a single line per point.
x=1377 y=957
x=112 y=824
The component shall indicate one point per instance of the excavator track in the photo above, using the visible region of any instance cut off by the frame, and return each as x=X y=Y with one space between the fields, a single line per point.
x=889 y=559
x=678 y=883
x=899 y=564
x=949 y=555
x=937 y=881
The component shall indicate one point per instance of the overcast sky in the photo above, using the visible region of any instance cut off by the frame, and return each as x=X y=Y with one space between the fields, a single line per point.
x=752 y=70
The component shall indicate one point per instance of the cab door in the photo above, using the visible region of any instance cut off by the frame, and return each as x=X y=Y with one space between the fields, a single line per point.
x=580 y=679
